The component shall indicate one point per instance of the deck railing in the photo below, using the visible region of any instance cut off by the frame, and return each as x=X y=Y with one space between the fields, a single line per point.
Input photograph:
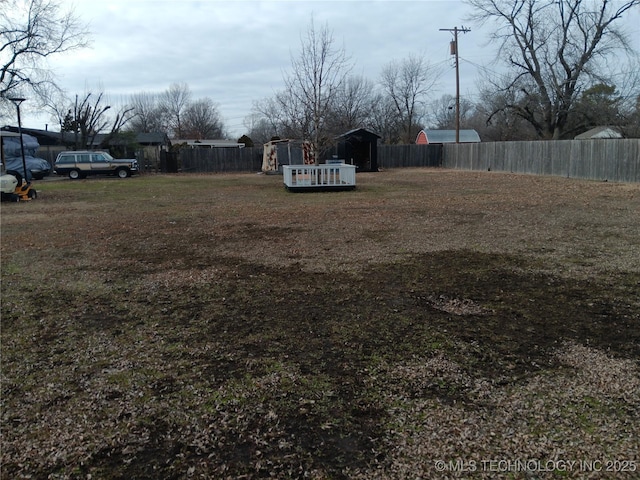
x=319 y=177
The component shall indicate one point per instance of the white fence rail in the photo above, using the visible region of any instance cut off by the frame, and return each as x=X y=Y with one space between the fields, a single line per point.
x=319 y=177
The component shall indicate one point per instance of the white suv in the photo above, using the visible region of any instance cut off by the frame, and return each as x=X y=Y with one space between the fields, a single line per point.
x=79 y=164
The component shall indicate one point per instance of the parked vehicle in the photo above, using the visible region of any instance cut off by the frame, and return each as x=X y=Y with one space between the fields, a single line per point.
x=8 y=184
x=37 y=168
x=80 y=164
x=14 y=188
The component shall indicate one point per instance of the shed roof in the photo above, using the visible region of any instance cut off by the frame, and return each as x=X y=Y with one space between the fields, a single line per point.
x=283 y=140
x=448 y=136
x=360 y=134
x=600 y=132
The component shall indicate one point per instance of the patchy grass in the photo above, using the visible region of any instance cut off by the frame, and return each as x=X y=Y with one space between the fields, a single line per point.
x=216 y=326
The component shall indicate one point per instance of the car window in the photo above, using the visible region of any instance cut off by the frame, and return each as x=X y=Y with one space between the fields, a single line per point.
x=84 y=158
x=98 y=158
x=66 y=159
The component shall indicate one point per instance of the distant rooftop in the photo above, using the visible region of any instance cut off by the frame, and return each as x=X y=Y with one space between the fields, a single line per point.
x=600 y=132
x=446 y=136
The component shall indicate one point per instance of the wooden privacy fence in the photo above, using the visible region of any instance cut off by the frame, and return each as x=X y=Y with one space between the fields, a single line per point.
x=398 y=156
x=220 y=159
x=249 y=159
x=616 y=160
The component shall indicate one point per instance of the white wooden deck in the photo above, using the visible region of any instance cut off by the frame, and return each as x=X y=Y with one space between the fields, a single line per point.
x=319 y=177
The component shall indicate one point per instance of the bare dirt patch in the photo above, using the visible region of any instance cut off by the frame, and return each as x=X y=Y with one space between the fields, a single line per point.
x=220 y=327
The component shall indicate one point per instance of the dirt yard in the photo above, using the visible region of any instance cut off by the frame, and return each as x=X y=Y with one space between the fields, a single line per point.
x=430 y=324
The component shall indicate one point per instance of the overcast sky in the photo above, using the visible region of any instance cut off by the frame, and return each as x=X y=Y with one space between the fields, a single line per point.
x=236 y=52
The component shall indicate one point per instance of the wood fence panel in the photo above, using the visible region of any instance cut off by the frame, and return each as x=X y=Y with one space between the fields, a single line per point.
x=558 y=157
x=218 y=160
x=614 y=160
x=502 y=163
x=611 y=159
x=629 y=166
x=400 y=156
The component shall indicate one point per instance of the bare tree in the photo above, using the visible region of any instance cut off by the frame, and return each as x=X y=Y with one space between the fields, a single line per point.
x=600 y=104
x=555 y=49
x=384 y=119
x=148 y=113
x=202 y=120
x=267 y=115
x=61 y=110
x=124 y=115
x=32 y=31
x=173 y=103
x=407 y=83
x=497 y=124
x=633 y=127
x=352 y=105
x=287 y=115
x=443 y=111
x=259 y=128
x=173 y=111
x=87 y=118
x=319 y=71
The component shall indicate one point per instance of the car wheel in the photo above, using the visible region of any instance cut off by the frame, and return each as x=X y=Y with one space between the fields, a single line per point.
x=123 y=173
x=74 y=174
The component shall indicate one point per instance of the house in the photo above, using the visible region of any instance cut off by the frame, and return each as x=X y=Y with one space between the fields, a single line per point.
x=149 y=148
x=426 y=137
x=152 y=139
x=600 y=132
x=45 y=137
x=68 y=139
x=52 y=143
x=359 y=147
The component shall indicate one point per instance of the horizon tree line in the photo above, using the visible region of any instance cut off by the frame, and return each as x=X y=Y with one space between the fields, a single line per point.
x=557 y=81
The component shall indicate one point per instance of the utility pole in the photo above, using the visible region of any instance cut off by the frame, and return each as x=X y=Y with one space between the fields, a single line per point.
x=17 y=102
x=454 y=51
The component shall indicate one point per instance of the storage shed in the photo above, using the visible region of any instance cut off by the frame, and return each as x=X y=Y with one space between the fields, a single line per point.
x=359 y=147
x=277 y=153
